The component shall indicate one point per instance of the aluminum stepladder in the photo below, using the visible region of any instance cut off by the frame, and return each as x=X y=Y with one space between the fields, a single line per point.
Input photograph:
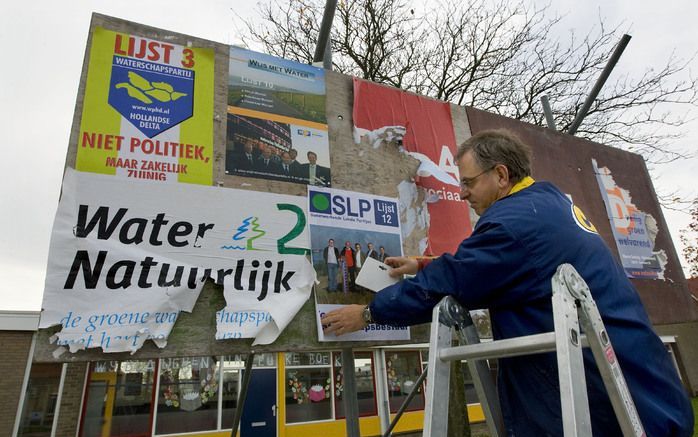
x=572 y=304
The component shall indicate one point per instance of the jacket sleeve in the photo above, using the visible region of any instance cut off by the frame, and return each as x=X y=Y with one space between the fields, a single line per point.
x=490 y=269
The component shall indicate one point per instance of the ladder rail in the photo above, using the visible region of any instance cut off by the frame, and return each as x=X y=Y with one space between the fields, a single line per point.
x=574 y=402
x=438 y=378
x=604 y=354
x=455 y=316
x=483 y=381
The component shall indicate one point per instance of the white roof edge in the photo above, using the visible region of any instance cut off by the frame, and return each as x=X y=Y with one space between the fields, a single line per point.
x=19 y=320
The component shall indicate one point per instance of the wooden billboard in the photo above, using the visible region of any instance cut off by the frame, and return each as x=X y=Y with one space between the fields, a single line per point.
x=360 y=167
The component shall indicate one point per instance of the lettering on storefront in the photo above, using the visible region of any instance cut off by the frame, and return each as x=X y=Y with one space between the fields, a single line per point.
x=179 y=363
x=308 y=359
x=126 y=366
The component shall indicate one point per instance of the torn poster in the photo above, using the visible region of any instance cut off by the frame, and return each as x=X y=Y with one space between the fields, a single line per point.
x=127 y=256
x=633 y=230
x=423 y=126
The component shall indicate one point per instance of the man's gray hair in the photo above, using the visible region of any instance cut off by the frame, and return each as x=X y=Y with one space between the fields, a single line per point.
x=492 y=147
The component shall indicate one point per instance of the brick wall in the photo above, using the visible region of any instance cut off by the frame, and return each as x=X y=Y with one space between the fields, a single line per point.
x=15 y=347
x=71 y=400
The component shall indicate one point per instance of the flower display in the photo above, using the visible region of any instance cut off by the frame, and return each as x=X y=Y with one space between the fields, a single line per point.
x=171 y=398
x=338 y=385
x=209 y=387
x=393 y=380
x=298 y=388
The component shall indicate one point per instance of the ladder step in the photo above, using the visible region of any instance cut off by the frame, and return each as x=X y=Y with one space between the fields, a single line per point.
x=511 y=347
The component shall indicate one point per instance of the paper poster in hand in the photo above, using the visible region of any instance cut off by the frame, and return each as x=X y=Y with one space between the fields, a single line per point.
x=374 y=275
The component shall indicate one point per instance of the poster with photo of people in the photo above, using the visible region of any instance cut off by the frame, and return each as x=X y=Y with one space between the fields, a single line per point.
x=346 y=228
x=277 y=128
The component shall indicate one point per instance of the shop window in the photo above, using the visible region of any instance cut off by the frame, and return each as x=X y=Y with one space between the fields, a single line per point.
x=308 y=387
x=119 y=399
x=403 y=368
x=188 y=395
x=134 y=395
x=40 y=400
x=230 y=387
x=365 y=385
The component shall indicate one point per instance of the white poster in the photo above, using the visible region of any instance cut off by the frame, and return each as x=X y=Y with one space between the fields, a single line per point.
x=127 y=256
x=346 y=228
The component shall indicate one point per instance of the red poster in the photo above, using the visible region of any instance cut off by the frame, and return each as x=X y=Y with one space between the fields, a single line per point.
x=426 y=130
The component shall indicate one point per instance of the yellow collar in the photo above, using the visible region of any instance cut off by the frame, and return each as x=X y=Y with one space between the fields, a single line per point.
x=523 y=183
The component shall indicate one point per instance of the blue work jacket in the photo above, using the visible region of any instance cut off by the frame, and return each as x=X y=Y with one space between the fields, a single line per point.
x=506 y=265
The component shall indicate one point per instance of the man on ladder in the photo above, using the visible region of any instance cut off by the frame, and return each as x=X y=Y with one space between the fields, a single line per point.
x=525 y=231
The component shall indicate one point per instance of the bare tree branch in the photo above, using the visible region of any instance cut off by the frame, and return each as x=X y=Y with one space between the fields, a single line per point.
x=499 y=56
x=689 y=238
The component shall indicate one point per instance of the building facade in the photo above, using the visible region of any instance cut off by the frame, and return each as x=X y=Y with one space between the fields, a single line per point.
x=291 y=394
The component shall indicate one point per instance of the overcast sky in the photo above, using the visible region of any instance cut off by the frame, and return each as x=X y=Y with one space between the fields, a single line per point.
x=43 y=42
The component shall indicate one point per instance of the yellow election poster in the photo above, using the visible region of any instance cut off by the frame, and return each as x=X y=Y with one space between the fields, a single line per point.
x=148 y=110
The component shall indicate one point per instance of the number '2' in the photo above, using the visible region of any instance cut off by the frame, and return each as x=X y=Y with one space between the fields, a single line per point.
x=293 y=233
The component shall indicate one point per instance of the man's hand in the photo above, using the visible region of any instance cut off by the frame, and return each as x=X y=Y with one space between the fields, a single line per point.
x=344 y=320
x=402 y=265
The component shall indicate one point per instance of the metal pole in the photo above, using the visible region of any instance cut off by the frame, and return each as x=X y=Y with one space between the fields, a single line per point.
x=382 y=398
x=625 y=39
x=351 y=402
x=327 y=59
x=323 y=38
x=406 y=402
x=548 y=112
x=243 y=393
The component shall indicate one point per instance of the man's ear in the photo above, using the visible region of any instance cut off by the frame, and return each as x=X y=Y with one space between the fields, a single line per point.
x=502 y=175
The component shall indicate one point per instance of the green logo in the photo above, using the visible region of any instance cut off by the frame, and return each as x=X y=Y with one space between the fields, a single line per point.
x=320 y=201
x=250 y=230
